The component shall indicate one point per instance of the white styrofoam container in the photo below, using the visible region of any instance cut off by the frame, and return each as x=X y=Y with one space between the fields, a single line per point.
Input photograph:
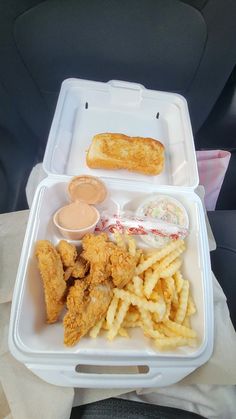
x=87 y=108
x=130 y=109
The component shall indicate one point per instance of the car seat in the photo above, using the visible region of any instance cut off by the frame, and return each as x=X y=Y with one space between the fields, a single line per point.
x=185 y=46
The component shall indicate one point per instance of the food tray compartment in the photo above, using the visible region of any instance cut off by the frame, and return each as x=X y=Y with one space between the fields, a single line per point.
x=33 y=340
x=86 y=108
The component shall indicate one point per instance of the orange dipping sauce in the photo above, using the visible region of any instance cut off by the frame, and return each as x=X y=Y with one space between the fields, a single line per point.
x=88 y=189
x=77 y=216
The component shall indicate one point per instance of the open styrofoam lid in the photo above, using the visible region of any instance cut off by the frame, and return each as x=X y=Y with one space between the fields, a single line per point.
x=86 y=108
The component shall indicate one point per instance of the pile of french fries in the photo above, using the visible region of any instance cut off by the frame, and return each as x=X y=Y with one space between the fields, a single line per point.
x=158 y=298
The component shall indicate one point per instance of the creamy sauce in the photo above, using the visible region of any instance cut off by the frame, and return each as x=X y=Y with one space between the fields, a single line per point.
x=88 y=189
x=76 y=216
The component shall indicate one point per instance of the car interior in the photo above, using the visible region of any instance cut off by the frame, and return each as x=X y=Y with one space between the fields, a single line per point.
x=180 y=46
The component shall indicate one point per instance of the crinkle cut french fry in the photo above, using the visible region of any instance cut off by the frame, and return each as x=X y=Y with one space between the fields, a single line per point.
x=154 y=334
x=158 y=297
x=123 y=332
x=167 y=291
x=154 y=296
x=150 y=282
x=183 y=302
x=105 y=325
x=180 y=330
x=111 y=312
x=132 y=316
x=172 y=312
x=131 y=245
x=172 y=342
x=141 y=260
x=186 y=322
x=159 y=267
x=138 y=286
x=162 y=328
x=163 y=263
x=119 y=240
x=147 y=324
x=167 y=313
x=138 y=301
x=158 y=255
x=118 y=320
x=138 y=256
x=178 y=281
x=191 y=308
x=146 y=318
x=96 y=329
x=172 y=268
x=130 y=287
x=130 y=324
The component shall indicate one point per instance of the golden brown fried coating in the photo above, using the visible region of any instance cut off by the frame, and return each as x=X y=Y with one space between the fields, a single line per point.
x=67 y=252
x=97 y=250
x=51 y=270
x=86 y=306
x=80 y=268
x=107 y=259
x=67 y=273
x=122 y=267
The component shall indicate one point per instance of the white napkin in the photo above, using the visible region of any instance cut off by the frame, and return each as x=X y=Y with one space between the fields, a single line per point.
x=211 y=402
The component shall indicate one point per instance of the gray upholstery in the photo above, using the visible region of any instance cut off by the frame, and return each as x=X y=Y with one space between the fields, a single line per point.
x=118 y=408
x=164 y=44
x=109 y=39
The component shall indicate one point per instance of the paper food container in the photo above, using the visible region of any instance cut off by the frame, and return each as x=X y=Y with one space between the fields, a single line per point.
x=85 y=108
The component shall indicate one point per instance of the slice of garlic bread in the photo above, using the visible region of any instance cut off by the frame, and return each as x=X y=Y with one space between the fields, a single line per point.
x=119 y=151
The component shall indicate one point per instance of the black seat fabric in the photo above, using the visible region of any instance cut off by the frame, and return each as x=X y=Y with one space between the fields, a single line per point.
x=118 y=408
x=168 y=45
x=135 y=40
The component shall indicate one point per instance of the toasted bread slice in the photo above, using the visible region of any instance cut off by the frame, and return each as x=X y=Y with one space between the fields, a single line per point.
x=118 y=151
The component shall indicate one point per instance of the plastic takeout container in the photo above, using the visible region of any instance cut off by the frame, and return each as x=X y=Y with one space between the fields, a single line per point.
x=93 y=362
x=86 y=108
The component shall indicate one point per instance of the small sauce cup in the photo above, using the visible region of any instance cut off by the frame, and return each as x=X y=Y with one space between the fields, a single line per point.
x=88 y=189
x=75 y=233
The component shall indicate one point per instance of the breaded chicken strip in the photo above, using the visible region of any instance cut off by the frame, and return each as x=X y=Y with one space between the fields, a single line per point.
x=97 y=250
x=122 y=267
x=86 y=306
x=80 y=268
x=51 y=270
x=107 y=259
x=74 y=264
x=67 y=252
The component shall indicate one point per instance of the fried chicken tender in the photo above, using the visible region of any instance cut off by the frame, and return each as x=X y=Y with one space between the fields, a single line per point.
x=74 y=264
x=122 y=267
x=106 y=258
x=51 y=270
x=86 y=304
x=97 y=249
x=67 y=252
x=79 y=269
